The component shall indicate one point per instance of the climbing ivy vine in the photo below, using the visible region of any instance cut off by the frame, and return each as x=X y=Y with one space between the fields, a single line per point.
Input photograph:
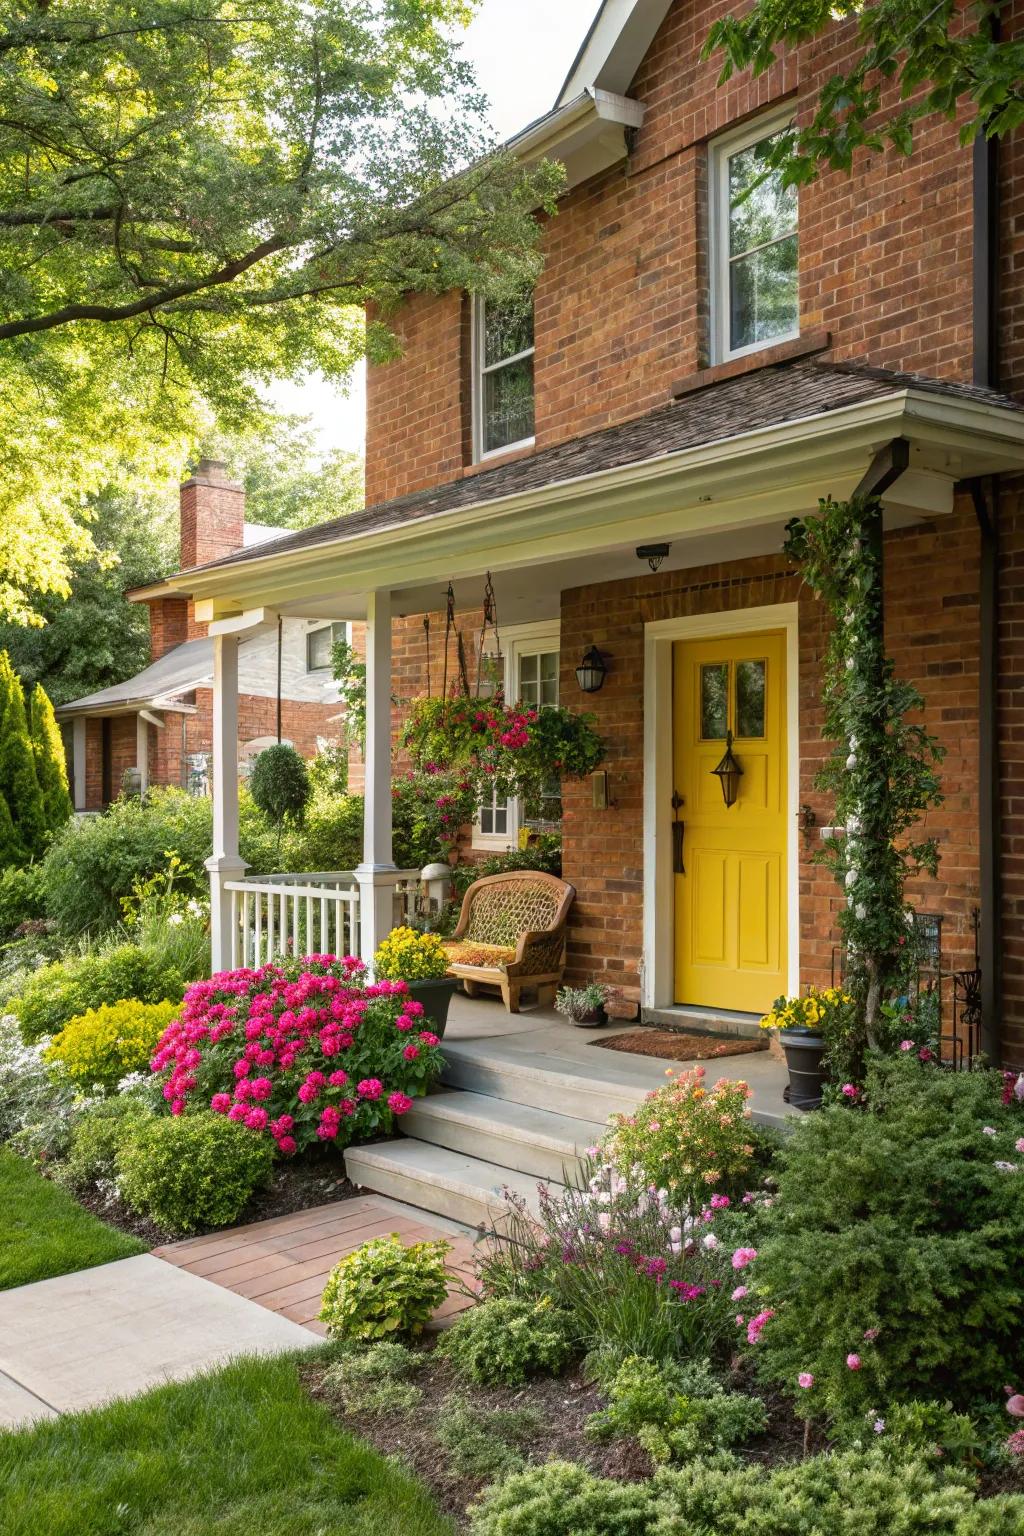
x=883 y=769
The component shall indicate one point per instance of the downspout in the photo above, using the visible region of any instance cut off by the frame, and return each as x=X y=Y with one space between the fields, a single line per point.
x=985 y=496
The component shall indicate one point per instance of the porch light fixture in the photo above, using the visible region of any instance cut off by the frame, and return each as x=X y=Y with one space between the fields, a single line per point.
x=654 y=554
x=729 y=774
x=592 y=671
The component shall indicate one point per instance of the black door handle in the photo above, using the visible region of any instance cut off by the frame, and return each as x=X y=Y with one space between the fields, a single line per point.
x=678 y=828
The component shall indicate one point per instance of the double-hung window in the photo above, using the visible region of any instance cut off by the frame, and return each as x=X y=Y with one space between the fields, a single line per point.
x=502 y=375
x=754 y=245
x=320 y=643
x=531 y=679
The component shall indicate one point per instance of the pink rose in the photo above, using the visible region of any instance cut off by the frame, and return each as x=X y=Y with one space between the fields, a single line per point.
x=411 y=1052
x=428 y=1038
x=743 y=1256
x=338 y=1079
x=220 y=1103
x=370 y=1088
x=286 y=1144
x=805 y=1380
x=399 y=1103
x=256 y=1119
x=853 y=1362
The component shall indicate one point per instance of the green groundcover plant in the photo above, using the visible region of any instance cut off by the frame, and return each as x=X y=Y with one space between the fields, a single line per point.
x=385 y=1290
x=890 y=1261
x=508 y=1339
x=190 y=1171
x=676 y=1411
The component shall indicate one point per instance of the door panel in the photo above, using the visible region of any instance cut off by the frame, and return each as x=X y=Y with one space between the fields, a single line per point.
x=730 y=904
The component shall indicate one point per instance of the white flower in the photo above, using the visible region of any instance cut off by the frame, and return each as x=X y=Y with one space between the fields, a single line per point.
x=851 y=762
x=710 y=1243
x=175 y=919
x=860 y=911
x=851 y=878
x=853 y=824
x=988 y=1130
x=1006 y=1167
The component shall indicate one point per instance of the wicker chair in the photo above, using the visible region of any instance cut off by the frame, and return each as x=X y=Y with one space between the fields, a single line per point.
x=511 y=935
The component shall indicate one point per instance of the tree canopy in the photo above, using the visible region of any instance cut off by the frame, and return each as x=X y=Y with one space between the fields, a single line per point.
x=198 y=198
x=915 y=59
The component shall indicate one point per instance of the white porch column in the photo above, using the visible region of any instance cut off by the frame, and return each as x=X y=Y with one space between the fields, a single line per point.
x=78 y=760
x=225 y=863
x=375 y=875
x=142 y=751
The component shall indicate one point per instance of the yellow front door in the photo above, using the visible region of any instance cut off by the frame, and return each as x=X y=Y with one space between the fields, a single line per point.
x=730 y=897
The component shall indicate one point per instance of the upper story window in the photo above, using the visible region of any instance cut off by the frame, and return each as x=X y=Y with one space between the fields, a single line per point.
x=320 y=642
x=754 y=245
x=502 y=375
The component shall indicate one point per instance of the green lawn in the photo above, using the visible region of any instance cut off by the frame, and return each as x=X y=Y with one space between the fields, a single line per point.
x=239 y=1452
x=44 y=1232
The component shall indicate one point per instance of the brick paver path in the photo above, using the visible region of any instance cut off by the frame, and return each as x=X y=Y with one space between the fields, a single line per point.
x=283 y=1264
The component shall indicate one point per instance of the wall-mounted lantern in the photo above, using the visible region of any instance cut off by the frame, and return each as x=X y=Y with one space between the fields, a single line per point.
x=729 y=774
x=592 y=671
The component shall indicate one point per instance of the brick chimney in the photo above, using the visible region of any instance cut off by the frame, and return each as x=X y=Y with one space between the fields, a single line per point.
x=212 y=515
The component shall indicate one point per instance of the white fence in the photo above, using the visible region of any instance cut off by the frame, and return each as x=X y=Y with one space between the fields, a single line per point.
x=280 y=916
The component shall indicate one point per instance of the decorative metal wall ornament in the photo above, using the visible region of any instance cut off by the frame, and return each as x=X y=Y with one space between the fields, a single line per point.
x=654 y=554
x=728 y=772
x=592 y=671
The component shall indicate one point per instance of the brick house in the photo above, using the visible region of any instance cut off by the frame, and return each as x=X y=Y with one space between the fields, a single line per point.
x=693 y=372
x=157 y=727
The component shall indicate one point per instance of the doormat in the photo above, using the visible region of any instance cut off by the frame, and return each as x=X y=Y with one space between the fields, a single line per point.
x=668 y=1045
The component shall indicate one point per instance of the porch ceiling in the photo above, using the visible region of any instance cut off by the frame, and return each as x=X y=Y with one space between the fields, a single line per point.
x=717 y=475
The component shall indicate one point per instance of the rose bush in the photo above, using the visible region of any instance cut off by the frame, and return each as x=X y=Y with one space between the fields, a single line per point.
x=302 y=1052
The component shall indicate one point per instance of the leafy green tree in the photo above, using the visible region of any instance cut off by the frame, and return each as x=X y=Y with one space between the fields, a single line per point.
x=51 y=767
x=288 y=483
x=19 y=783
x=197 y=199
x=912 y=59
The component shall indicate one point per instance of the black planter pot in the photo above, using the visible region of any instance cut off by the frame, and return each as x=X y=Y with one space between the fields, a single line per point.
x=435 y=996
x=805 y=1052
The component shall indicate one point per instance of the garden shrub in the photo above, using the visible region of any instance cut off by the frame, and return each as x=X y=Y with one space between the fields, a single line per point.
x=57 y=993
x=507 y=1339
x=302 y=1053
x=659 y=1407
x=331 y=836
x=96 y=1137
x=485 y=1444
x=406 y=955
x=850 y=1494
x=28 y=1092
x=103 y=1045
x=385 y=1288
x=190 y=1171
x=546 y=855
x=561 y=1498
x=920 y=1429
x=686 y=1138
x=21 y=896
x=376 y=1380
x=891 y=1258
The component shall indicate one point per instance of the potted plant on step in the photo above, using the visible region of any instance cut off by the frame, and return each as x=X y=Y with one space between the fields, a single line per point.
x=584 y=1006
x=418 y=959
x=804 y=1026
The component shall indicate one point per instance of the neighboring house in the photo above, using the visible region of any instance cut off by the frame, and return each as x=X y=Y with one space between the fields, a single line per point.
x=156 y=727
x=693 y=372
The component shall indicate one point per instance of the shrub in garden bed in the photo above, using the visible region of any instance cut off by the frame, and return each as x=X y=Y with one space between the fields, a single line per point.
x=891 y=1260
x=675 y=1412
x=191 y=1171
x=57 y=993
x=385 y=1289
x=508 y=1339
x=300 y=1053
x=95 y=1139
x=105 y=1044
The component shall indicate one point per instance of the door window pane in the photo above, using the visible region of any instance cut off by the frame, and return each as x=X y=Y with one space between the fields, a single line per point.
x=714 y=701
x=538 y=680
x=750 y=683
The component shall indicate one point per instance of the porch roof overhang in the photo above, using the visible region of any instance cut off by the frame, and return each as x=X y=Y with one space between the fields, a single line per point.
x=159 y=686
x=717 y=474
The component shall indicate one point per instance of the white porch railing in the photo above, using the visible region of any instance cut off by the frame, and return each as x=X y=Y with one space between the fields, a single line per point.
x=282 y=915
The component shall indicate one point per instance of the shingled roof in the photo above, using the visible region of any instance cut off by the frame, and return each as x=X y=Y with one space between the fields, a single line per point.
x=765 y=398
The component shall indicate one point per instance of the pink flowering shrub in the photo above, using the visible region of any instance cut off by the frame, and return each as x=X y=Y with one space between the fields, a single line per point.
x=686 y=1138
x=303 y=1052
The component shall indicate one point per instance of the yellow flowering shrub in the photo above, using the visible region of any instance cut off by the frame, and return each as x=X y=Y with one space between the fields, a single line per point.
x=406 y=955
x=810 y=1012
x=104 y=1044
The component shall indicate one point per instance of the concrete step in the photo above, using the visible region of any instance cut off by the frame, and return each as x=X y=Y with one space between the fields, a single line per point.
x=437 y=1179
x=707 y=1021
x=579 y=1088
x=515 y=1136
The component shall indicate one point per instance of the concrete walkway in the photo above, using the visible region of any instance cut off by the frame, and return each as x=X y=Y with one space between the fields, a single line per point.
x=80 y=1340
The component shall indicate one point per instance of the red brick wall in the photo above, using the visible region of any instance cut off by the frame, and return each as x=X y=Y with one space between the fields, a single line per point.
x=1011 y=755
x=932 y=634
x=622 y=308
x=168 y=625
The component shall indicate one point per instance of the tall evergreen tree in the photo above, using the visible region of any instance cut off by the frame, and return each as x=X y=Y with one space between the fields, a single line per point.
x=19 y=784
x=51 y=767
x=11 y=849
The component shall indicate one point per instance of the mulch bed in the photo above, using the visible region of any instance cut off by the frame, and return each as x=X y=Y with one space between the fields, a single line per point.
x=564 y=1405
x=669 y=1045
x=315 y=1179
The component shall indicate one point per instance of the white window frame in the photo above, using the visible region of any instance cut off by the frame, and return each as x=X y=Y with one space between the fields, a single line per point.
x=479 y=371
x=332 y=625
x=720 y=152
x=517 y=641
